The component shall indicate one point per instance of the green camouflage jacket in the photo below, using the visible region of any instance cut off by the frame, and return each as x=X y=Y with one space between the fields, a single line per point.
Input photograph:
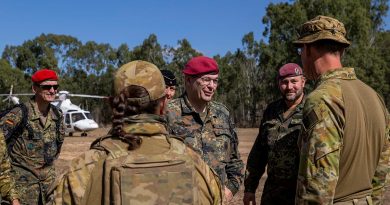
x=344 y=146
x=214 y=138
x=32 y=155
x=7 y=183
x=144 y=178
x=276 y=147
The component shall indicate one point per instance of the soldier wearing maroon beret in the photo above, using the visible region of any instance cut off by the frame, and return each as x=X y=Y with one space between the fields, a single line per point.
x=206 y=125
x=276 y=146
x=35 y=132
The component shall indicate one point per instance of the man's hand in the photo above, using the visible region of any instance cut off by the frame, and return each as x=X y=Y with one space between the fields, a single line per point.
x=248 y=198
x=228 y=195
x=15 y=202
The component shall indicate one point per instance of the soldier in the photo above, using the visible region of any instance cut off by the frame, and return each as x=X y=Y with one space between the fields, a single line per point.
x=34 y=132
x=276 y=144
x=345 y=143
x=170 y=84
x=7 y=183
x=137 y=163
x=205 y=125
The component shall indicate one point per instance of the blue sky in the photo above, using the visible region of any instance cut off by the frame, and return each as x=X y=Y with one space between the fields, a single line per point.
x=211 y=26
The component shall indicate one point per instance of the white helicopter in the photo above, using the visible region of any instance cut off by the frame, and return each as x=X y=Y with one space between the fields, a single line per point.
x=75 y=118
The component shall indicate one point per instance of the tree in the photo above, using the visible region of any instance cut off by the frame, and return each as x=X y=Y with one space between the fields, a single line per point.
x=362 y=19
x=12 y=77
x=45 y=51
x=177 y=57
x=150 y=51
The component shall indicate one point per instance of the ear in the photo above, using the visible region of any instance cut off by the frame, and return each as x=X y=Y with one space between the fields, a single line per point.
x=307 y=49
x=303 y=81
x=187 y=79
x=162 y=104
x=34 y=89
x=342 y=52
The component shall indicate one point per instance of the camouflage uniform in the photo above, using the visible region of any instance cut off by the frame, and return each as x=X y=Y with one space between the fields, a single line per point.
x=213 y=136
x=83 y=184
x=345 y=146
x=32 y=156
x=7 y=183
x=276 y=145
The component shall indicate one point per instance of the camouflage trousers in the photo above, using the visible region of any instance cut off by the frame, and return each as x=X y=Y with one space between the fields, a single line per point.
x=362 y=201
x=30 y=189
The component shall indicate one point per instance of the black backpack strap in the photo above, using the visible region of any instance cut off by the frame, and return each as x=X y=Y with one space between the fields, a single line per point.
x=15 y=132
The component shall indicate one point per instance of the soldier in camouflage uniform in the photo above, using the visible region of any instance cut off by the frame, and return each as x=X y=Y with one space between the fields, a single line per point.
x=205 y=125
x=345 y=140
x=137 y=163
x=33 y=146
x=276 y=144
x=7 y=183
x=170 y=84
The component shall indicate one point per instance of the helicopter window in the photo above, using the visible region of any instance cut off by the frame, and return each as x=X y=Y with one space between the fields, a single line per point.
x=88 y=115
x=67 y=118
x=77 y=116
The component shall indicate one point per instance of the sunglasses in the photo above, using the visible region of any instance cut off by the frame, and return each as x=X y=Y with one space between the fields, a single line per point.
x=48 y=87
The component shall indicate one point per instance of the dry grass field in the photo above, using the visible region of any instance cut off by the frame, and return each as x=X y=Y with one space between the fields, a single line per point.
x=73 y=146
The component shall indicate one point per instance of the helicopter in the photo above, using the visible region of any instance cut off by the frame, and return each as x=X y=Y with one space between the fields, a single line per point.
x=75 y=118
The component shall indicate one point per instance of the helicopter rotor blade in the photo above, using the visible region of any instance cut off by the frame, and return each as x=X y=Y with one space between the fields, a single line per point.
x=18 y=94
x=88 y=96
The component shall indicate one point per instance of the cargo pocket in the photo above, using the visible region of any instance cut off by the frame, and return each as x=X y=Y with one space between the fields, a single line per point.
x=34 y=145
x=223 y=138
x=272 y=128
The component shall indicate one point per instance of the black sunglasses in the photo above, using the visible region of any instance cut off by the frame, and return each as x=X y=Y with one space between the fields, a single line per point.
x=48 y=87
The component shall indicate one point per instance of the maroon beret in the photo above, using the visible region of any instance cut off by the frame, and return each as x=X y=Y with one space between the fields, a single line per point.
x=288 y=70
x=200 y=65
x=43 y=75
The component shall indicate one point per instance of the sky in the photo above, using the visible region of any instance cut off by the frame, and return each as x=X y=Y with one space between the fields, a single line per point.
x=211 y=26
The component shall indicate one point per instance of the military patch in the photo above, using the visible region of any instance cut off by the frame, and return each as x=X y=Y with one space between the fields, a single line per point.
x=310 y=120
x=10 y=122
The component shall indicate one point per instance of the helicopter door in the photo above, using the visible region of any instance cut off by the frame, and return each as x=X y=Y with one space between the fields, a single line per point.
x=68 y=123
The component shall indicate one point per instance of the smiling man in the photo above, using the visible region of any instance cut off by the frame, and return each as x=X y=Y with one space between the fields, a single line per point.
x=205 y=125
x=276 y=144
x=34 y=134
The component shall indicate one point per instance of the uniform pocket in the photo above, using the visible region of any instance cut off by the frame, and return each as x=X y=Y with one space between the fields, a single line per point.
x=222 y=143
x=34 y=145
x=272 y=129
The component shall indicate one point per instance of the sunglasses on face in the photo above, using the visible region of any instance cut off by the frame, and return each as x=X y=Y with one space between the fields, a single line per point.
x=48 y=87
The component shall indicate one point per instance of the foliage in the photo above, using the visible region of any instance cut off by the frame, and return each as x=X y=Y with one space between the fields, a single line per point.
x=247 y=75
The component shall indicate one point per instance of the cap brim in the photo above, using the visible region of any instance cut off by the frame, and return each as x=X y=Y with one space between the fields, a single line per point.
x=321 y=36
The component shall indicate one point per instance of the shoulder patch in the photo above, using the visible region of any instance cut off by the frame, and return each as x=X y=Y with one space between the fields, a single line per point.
x=10 y=122
x=310 y=120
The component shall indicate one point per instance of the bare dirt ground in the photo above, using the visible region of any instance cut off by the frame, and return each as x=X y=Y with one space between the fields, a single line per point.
x=74 y=146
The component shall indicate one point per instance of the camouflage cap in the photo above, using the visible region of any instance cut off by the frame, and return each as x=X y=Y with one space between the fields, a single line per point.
x=322 y=27
x=143 y=74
